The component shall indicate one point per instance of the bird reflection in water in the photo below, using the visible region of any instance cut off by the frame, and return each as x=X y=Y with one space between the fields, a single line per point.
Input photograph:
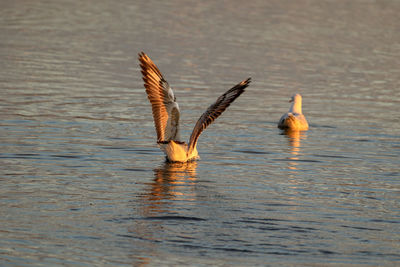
x=172 y=181
x=294 y=138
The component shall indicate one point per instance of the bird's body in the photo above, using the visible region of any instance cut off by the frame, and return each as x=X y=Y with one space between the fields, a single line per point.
x=178 y=151
x=166 y=112
x=294 y=120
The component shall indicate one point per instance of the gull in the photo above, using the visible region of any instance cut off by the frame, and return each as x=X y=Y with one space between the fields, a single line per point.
x=166 y=112
x=294 y=120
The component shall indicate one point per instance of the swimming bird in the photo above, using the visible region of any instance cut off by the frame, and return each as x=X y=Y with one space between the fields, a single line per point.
x=166 y=112
x=294 y=119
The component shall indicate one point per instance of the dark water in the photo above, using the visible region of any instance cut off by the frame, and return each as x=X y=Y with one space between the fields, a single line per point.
x=83 y=183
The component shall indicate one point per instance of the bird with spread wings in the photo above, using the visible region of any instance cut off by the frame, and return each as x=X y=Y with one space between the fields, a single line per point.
x=166 y=112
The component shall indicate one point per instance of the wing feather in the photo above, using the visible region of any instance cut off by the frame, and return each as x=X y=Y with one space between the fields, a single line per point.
x=164 y=107
x=215 y=110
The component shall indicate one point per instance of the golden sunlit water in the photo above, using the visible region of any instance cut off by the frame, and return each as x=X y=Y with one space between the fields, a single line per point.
x=82 y=181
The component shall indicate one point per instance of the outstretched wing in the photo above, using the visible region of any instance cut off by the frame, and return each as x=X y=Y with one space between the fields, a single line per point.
x=215 y=110
x=165 y=109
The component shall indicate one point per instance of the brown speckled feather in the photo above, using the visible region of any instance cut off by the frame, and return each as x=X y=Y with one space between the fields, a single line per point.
x=165 y=110
x=215 y=110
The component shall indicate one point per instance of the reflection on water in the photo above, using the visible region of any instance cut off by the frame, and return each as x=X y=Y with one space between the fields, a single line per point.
x=172 y=181
x=172 y=185
x=294 y=138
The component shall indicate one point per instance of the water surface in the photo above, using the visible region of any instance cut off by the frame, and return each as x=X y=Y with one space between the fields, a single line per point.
x=83 y=182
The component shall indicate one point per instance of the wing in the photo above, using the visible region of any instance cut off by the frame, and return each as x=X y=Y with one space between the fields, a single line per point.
x=163 y=102
x=282 y=120
x=215 y=110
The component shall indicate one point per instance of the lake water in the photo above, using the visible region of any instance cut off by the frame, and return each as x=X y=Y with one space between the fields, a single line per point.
x=82 y=181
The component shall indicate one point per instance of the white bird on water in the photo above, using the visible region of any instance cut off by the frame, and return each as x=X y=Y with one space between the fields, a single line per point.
x=166 y=112
x=294 y=120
